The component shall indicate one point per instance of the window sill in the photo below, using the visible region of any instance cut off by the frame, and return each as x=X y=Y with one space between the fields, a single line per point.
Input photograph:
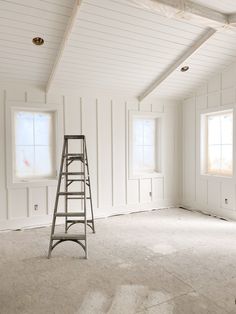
x=216 y=176
x=32 y=183
x=145 y=175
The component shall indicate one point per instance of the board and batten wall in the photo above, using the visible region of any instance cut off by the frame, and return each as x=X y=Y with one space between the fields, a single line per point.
x=202 y=192
x=104 y=121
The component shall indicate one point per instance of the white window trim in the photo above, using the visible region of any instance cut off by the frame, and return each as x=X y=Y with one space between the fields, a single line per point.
x=147 y=115
x=11 y=107
x=203 y=142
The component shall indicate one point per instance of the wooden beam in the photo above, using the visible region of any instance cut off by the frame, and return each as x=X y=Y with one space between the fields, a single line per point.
x=68 y=31
x=185 y=9
x=208 y=34
x=232 y=19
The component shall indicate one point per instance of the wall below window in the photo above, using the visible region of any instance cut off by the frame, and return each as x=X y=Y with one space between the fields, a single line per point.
x=104 y=121
x=215 y=195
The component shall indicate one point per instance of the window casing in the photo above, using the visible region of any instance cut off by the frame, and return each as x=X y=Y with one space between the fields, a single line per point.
x=144 y=145
x=34 y=145
x=40 y=177
x=218 y=143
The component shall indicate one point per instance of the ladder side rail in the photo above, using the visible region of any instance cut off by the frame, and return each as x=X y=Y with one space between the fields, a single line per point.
x=85 y=200
x=89 y=185
x=66 y=183
x=56 y=200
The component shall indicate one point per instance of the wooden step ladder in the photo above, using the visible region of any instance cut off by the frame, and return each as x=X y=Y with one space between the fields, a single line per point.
x=82 y=177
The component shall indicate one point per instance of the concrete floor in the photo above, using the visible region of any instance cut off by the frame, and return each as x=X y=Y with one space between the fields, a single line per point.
x=162 y=262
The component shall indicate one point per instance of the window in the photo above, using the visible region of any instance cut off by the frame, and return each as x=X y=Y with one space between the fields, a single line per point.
x=34 y=144
x=219 y=143
x=144 y=150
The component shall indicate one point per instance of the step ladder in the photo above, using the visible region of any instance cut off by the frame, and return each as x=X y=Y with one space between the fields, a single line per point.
x=81 y=176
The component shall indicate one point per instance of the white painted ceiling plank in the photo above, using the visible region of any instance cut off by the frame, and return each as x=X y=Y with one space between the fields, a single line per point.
x=64 y=41
x=176 y=64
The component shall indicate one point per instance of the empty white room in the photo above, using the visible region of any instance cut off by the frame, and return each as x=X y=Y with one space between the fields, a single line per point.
x=117 y=156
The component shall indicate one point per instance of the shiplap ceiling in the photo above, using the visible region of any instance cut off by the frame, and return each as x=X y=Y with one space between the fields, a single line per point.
x=114 y=46
x=22 y=20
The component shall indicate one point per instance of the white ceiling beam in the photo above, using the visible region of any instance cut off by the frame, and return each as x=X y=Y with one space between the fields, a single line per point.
x=186 y=10
x=232 y=19
x=173 y=67
x=68 y=31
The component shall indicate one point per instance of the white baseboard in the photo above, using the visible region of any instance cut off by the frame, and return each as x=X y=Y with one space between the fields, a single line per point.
x=34 y=222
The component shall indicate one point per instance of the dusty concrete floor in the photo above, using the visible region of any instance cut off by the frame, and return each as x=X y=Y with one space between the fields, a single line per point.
x=162 y=262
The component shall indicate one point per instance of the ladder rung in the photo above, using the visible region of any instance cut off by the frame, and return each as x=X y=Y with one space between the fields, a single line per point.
x=78 y=198
x=76 y=137
x=77 y=180
x=73 y=173
x=68 y=236
x=71 y=193
x=79 y=221
x=70 y=214
x=73 y=155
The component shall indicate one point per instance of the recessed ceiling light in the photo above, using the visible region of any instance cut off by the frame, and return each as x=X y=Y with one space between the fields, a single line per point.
x=185 y=68
x=38 y=41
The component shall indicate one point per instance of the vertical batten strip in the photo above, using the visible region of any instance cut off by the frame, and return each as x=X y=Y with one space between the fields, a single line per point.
x=126 y=154
x=112 y=156
x=97 y=148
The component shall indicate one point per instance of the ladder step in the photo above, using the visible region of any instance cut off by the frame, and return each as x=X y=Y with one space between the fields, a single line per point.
x=73 y=173
x=74 y=137
x=68 y=236
x=70 y=214
x=79 y=220
x=71 y=193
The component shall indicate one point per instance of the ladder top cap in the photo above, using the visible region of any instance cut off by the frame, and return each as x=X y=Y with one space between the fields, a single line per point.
x=74 y=137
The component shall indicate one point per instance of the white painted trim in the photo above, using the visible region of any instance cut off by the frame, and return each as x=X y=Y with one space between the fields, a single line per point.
x=208 y=34
x=10 y=107
x=185 y=9
x=67 y=34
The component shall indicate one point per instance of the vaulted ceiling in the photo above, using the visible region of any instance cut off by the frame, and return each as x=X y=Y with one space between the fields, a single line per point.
x=114 y=45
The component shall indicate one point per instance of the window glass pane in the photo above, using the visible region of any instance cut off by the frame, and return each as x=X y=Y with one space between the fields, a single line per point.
x=24 y=128
x=227 y=128
x=138 y=158
x=34 y=158
x=43 y=161
x=149 y=132
x=43 y=131
x=24 y=161
x=138 y=131
x=226 y=163
x=149 y=158
x=214 y=158
x=214 y=134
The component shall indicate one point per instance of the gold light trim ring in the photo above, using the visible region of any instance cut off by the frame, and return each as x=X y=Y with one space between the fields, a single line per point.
x=38 y=41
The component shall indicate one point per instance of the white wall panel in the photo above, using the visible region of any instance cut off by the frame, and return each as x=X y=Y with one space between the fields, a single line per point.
x=38 y=197
x=228 y=96
x=104 y=153
x=211 y=191
x=214 y=100
x=214 y=191
x=89 y=126
x=18 y=203
x=157 y=189
x=201 y=101
x=3 y=197
x=119 y=153
x=104 y=121
x=189 y=149
x=145 y=190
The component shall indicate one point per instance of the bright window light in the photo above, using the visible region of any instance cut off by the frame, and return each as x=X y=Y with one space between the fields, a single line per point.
x=34 y=144
x=219 y=150
x=144 y=145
